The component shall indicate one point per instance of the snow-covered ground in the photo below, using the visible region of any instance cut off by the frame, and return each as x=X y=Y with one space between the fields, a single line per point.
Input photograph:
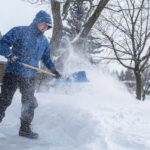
x=99 y=115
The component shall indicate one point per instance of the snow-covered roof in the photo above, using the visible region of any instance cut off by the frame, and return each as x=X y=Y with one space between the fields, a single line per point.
x=2 y=58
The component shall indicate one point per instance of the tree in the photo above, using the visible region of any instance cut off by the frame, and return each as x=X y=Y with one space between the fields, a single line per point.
x=129 y=75
x=60 y=12
x=122 y=76
x=80 y=16
x=125 y=31
x=58 y=27
x=146 y=83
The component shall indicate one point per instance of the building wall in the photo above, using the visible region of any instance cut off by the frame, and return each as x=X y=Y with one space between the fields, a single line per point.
x=2 y=70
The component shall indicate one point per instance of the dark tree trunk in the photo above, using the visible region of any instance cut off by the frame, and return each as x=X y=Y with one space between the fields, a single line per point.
x=57 y=30
x=87 y=27
x=138 y=84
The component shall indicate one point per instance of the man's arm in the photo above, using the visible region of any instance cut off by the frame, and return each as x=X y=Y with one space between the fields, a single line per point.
x=48 y=62
x=7 y=41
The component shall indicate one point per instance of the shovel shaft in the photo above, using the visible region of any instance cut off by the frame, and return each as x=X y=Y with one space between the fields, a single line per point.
x=40 y=70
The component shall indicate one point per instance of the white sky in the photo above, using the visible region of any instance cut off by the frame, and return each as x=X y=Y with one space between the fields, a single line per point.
x=16 y=13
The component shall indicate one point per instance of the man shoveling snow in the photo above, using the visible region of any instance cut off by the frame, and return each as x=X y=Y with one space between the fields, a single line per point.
x=28 y=45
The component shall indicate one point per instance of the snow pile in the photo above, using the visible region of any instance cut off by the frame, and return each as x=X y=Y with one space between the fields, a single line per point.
x=92 y=116
x=100 y=114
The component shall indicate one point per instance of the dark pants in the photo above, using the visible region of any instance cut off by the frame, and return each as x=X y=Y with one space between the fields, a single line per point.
x=10 y=84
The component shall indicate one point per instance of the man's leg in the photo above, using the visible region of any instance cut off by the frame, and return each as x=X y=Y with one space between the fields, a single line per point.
x=8 y=88
x=29 y=103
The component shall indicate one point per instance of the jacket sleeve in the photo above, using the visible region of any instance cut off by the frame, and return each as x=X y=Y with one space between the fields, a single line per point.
x=7 y=41
x=47 y=60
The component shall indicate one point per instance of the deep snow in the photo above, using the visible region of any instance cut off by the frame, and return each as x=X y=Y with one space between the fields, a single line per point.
x=97 y=115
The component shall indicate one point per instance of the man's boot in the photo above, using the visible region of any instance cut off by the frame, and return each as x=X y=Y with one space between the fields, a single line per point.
x=25 y=131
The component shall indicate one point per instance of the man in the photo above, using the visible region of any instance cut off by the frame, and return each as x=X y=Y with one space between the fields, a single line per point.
x=28 y=45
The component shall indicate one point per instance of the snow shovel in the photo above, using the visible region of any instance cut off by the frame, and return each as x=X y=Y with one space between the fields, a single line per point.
x=79 y=76
x=75 y=77
x=34 y=68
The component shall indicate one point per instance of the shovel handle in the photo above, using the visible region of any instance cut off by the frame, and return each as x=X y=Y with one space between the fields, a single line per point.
x=37 y=69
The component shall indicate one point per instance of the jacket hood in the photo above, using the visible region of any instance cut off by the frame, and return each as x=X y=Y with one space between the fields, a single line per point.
x=41 y=16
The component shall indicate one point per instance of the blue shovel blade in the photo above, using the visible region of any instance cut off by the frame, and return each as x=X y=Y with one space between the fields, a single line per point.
x=79 y=76
x=75 y=77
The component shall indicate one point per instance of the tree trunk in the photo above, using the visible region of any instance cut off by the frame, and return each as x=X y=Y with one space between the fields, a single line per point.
x=89 y=24
x=138 y=84
x=80 y=40
x=57 y=30
x=143 y=95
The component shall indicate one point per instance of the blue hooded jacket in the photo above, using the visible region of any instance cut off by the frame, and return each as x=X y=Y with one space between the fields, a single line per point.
x=29 y=44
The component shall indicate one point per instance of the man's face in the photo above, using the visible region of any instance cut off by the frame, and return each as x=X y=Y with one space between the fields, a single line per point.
x=42 y=26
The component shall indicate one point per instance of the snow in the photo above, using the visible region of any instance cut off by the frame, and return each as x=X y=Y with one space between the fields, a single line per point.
x=2 y=58
x=100 y=114
x=97 y=115
x=60 y=1
x=19 y=13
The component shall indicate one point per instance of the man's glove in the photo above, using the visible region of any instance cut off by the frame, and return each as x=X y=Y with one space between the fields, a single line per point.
x=57 y=74
x=12 y=59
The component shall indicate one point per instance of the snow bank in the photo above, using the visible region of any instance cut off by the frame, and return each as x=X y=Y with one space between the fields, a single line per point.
x=97 y=115
x=88 y=116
